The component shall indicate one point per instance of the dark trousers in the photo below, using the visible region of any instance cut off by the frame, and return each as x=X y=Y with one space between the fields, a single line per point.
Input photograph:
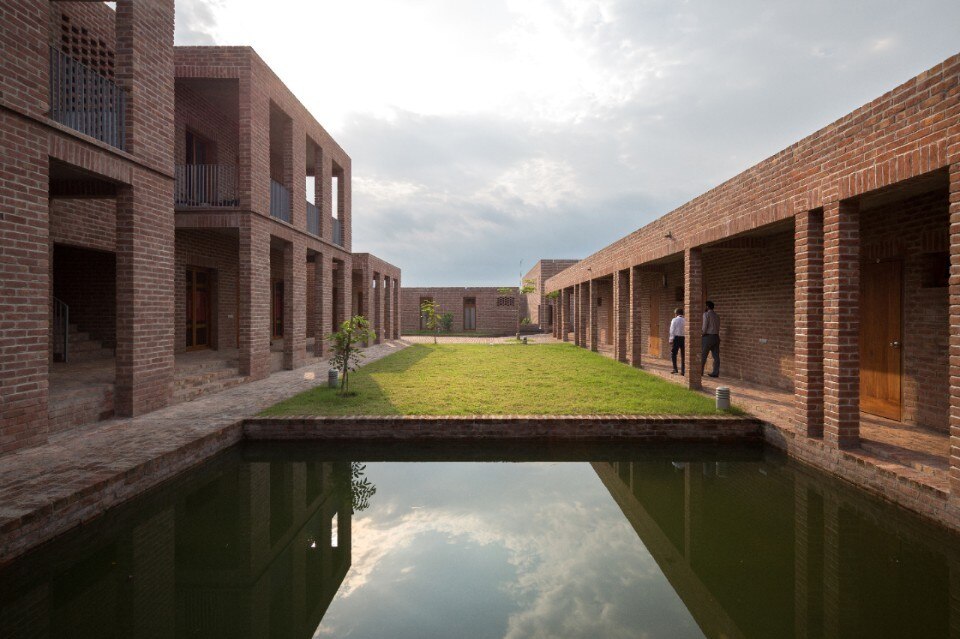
x=711 y=346
x=679 y=346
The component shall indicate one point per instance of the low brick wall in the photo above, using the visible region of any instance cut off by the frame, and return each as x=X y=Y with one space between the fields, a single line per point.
x=890 y=481
x=573 y=427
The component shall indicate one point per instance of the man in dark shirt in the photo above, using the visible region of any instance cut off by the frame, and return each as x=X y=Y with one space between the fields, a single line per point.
x=711 y=339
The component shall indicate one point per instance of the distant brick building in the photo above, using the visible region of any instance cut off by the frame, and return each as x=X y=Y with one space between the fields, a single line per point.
x=155 y=202
x=480 y=309
x=834 y=265
x=539 y=308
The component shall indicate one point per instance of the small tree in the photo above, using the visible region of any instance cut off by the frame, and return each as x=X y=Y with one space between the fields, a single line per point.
x=430 y=311
x=346 y=347
x=446 y=322
x=526 y=287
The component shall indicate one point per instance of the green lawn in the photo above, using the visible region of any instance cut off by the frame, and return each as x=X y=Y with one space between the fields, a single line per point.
x=469 y=379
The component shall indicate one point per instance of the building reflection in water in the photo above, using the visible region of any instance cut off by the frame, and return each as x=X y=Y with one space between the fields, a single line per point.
x=788 y=554
x=245 y=548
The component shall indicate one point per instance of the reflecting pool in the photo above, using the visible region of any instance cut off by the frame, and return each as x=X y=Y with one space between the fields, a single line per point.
x=307 y=541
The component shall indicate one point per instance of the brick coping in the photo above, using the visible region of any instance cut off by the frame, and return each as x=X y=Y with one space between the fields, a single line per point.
x=694 y=428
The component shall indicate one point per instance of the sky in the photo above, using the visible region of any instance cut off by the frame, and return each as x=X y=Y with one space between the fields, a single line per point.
x=488 y=134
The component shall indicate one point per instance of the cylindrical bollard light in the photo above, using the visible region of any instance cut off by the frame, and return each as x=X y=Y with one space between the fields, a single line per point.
x=723 y=398
x=332 y=376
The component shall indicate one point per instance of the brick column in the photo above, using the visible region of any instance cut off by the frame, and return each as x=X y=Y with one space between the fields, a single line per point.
x=576 y=315
x=378 y=308
x=634 y=323
x=345 y=285
x=955 y=332
x=145 y=275
x=621 y=314
x=253 y=291
x=396 y=308
x=593 y=288
x=387 y=309
x=841 y=329
x=692 y=302
x=294 y=303
x=565 y=315
x=25 y=310
x=321 y=302
x=808 y=323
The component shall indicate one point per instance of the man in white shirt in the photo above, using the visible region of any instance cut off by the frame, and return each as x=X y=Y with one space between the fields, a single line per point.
x=678 y=328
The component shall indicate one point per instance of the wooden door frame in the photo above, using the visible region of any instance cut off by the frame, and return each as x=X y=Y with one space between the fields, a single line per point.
x=473 y=304
x=899 y=260
x=192 y=286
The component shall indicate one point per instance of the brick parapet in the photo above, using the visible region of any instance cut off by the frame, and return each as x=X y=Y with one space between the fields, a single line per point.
x=574 y=427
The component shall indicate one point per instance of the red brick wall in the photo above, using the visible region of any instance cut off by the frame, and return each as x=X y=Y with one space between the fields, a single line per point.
x=84 y=222
x=491 y=319
x=212 y=251
x=24 y=268
x=86 y=281
x=202 y=116
x=753 y=292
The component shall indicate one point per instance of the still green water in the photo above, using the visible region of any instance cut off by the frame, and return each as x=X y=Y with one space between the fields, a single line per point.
x=302 y=541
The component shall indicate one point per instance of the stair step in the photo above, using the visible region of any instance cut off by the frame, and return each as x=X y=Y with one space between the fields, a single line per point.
x=202 y=378
x=90 y=355
x=187 y=394
x=200 y=366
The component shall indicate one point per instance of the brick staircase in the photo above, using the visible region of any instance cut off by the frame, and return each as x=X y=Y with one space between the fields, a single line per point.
x=83 y=348
x=201 y=377
x=81 y=389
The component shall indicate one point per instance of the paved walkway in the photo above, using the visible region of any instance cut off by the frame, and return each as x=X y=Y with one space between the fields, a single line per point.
x=536 y=338
x=48 y=489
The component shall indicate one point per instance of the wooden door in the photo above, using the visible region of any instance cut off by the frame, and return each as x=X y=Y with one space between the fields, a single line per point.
x=276 y=310
x=654 y=314
x=198 y=308
x=881 y=338
x=470 y=314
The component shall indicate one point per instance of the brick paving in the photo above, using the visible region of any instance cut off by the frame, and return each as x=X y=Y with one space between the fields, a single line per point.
x=48 y=489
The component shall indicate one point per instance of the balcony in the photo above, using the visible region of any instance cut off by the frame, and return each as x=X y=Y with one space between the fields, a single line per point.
x=206 y=185
x=337 y=232
x=279 y=201
x=313 y=219
x=86 y=101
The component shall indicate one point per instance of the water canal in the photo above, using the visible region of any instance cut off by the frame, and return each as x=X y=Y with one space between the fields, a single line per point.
x=313 y=541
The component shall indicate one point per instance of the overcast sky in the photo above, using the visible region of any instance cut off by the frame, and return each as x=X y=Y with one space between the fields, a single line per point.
x=486 y=132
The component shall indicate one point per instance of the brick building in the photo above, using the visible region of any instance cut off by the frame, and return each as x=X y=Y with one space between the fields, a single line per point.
x=539 y=308
x=835 y=268
x=174 y=221
x=481 y=309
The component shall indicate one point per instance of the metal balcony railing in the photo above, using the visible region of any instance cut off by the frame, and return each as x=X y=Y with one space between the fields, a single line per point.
x=86 y=101
x=337 y=232
x=313 y=219
x=206 y=185
x=279 y=201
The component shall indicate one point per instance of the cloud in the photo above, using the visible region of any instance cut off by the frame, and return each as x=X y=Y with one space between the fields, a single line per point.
x=484 y=133
x=555 y=558
x=196 y=21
